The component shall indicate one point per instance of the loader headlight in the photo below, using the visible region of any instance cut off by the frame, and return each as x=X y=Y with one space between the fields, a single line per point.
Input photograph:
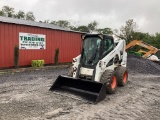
x=74 y=60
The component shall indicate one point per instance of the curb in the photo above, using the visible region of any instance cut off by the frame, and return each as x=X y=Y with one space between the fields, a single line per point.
x=18 y=70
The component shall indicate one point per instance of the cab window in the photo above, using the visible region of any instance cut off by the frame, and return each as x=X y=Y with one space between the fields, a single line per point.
x=107 y=46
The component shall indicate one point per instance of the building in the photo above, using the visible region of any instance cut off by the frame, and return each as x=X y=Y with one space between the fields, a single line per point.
x=36 y=41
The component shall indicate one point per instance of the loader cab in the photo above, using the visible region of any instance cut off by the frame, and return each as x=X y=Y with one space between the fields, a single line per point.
x=95 y=47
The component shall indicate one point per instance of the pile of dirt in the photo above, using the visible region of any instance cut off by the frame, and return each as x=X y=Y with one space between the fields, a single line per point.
x=139 y=65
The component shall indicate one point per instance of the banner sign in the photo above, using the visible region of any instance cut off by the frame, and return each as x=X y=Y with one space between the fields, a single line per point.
x=32 y=41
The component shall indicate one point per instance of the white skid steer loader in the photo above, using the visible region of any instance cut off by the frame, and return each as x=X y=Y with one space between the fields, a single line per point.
x=98 y=70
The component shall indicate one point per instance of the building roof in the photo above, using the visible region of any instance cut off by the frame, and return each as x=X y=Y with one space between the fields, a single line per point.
x=33 y=23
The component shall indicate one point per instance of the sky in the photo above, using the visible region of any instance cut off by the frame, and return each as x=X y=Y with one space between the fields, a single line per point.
x=108 y=13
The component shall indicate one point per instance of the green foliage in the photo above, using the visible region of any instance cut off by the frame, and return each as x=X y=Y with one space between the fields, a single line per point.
x=30 y=16
x=73 y=28
x=33 y=63
x=56 y=56
x=2 y=13
x=135 y=53
x=153 y=40
x=82 y=29
x=37 y=63
x=8 y=11
x=105 y=31
x=92 y=26
x=20 y=15
x=61 y=23
x=127 y=31
x=46 y=21
x=16 y=56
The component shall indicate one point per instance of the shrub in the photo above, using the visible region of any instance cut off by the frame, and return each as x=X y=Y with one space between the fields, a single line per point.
x=56 y=56
x=33 y=63
x=42 y=61
x=16 y=56
x=37 y=63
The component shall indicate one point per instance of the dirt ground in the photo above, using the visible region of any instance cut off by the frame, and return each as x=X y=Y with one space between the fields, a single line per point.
x=26 y=96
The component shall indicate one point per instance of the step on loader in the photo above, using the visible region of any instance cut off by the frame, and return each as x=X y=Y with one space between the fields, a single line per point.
x=98 y=70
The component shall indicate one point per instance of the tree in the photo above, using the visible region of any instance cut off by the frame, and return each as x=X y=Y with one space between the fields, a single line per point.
x=2 y=13
x=8 y=11
x=20 y=15
x=73 y=28
x=157 y=36
x=53 y=22
x=82 y=28
x=140 y=36
x=127 y=31
x=92 y=26
x=105 y=31
x=157 y=40
x=30 y=16
x=61 y=23
x=45 y=21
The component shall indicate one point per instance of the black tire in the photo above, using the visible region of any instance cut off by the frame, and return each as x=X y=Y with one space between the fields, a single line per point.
x=70 y=71
x=122 y=76
x=109 y=79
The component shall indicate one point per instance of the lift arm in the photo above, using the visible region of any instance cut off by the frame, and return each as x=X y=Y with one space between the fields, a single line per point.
x=152 y=50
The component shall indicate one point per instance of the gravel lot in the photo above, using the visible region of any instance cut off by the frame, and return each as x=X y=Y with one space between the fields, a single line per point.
x=25 y=96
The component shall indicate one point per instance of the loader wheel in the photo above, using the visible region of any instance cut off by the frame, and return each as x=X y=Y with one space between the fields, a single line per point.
x=122 y=76
x=70 y=71
x=109 y=78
